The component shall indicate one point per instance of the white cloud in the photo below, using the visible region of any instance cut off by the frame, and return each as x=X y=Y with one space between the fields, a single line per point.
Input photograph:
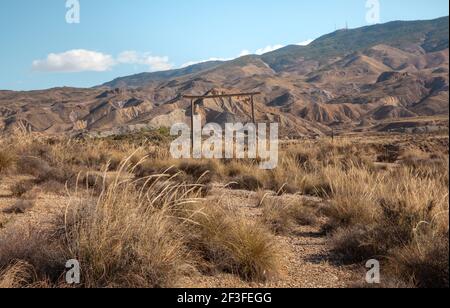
x=81 y=60
x=128 y=57
x=268 y=49
x=184 y=65
x=244 y=52
x=203 y=61
x=271 y=48
x=154 y=63
x=305 y=43
x=77 y=60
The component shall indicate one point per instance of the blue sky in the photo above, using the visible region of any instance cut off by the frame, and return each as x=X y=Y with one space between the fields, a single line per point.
x=39 y=49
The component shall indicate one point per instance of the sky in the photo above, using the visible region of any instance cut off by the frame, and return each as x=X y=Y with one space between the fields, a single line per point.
x=83 y=43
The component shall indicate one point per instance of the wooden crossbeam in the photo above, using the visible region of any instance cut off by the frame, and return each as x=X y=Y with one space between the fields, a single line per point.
x=220 y=95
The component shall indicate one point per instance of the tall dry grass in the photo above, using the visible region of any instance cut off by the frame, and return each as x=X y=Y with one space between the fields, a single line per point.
x=6 y=161
x=283 y=217
x=232 y=243
x=16 y=275
x=147 y=225
x=129 y=236
x=132 y=231
x=399 y=213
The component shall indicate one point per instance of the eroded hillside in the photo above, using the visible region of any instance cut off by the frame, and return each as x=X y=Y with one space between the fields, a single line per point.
x=348 y=79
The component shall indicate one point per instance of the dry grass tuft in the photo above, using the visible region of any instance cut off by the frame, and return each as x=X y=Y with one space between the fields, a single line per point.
x=261 y=197
x=424 y=261
x=42 y=171
x=21 y=188
x=246 y=182
x=201 y=171
x=284 y=217
x=53 y=187
x=128 y=237
x=35 y=248
x=353 y=196
x=234 y=244
x=394 y=216
x=6 y=161
x=17 y=275
x=19 y=207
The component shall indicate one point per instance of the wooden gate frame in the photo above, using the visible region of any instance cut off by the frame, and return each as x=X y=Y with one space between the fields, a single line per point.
x=195 y=98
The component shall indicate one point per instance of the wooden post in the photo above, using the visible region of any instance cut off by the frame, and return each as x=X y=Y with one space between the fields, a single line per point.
x=253 y=109
x=252 y=101
x=192 y=125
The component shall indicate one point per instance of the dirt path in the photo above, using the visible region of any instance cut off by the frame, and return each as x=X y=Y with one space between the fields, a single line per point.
x=309 y=263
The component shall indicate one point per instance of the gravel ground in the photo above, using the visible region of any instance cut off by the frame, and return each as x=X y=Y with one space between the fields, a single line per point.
x=308 y=263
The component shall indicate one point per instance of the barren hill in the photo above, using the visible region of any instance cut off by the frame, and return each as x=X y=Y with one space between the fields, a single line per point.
x=344 y=79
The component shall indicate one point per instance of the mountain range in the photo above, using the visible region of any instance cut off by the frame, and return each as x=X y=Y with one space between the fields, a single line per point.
x=351 y=79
